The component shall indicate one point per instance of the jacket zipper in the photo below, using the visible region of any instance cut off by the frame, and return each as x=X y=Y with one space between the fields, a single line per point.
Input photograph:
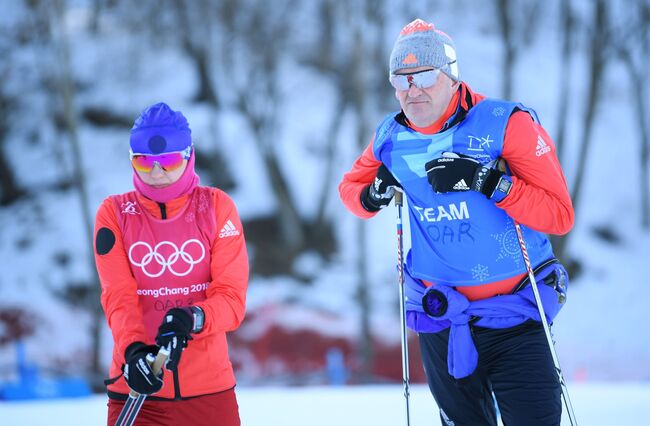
x=163 y=210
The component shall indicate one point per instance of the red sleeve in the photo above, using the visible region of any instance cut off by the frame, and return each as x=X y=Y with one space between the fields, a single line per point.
x=361 y=175
x=539 y=197
x=226 y=296
x=118 y=297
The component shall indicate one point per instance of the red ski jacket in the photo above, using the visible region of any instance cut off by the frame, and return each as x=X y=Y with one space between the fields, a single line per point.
x=137 y=288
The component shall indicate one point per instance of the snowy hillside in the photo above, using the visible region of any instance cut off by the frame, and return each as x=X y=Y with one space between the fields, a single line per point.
x=295 y=319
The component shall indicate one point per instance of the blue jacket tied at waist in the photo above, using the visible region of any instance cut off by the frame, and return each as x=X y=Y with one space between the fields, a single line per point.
x=495 y=312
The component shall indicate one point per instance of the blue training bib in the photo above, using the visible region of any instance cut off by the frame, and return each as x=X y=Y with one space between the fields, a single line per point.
x=458 y=238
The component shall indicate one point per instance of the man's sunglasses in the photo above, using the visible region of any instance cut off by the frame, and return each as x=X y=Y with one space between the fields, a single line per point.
x=421 y=79
x=168 y=161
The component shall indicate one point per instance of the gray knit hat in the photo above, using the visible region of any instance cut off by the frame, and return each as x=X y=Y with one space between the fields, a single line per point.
x=421 y=44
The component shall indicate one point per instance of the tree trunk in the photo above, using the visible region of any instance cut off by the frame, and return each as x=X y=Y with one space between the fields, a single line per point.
x=596 y=72
x=198 y=52
x=509 y=54
x=59 y=37
x=266 y=37
x=325 y=58
x=639 y=93
x=565 y=68
x=558 y=241
x=366 y=354
x=328 y=177
x=359 y=103
x=290 y=222
x=639 y=73
x=644 y=158
x=9 y=190
x=205 y=92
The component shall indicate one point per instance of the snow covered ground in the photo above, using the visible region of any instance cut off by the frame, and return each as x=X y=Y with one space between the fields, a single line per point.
x=595 y=404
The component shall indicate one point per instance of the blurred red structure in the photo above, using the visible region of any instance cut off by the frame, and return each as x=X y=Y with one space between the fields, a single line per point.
x=268 y=348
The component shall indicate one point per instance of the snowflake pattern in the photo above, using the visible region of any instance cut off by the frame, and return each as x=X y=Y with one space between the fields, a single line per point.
x=509 y=244
x=200 y=203
x=498 y=111
x=203 y=202
x=480 y=272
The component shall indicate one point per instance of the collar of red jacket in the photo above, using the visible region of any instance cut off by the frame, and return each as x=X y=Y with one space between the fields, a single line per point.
x=462 y=101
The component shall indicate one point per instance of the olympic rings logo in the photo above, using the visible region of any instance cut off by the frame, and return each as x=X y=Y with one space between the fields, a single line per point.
x=154 y=255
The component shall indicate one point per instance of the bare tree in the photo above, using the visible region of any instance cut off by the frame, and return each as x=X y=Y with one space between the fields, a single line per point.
x=353 y=56
x=598 y=33
x=10 y=38
x=633 y=46
x=518 y=23
x=244 y=44
x=567 y=22
x=195 y=20
x=568 y=28
x=67 y=101
x=261 y=35
x=9 y=189
x=367 y=47
x=324 y=61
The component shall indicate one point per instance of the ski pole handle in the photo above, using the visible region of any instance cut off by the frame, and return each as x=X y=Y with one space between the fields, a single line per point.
x=135 y=400
x=157 y=365
x=398 y=198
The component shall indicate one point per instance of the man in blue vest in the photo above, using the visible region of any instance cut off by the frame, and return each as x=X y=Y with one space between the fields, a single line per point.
x=470 y=167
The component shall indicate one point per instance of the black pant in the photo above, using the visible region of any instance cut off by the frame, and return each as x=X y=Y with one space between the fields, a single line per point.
x=515 y=363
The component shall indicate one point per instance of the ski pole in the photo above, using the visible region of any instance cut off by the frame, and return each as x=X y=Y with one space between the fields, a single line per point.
x=547 y=330
x=402 y=312
x=135 y=400
x=130 y=410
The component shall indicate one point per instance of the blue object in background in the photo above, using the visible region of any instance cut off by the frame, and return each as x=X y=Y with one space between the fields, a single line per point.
x=335 y=366
x=31 y=386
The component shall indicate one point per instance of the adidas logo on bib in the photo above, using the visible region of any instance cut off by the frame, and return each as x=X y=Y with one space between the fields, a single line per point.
x=228 y=230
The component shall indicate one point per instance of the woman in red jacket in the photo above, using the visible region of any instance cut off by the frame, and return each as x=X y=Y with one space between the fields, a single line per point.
x=173 y=268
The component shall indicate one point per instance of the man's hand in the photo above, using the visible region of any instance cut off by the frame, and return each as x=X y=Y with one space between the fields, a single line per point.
x=138 y=372
x=174 y=332
x=378 y=194
x=457 y=172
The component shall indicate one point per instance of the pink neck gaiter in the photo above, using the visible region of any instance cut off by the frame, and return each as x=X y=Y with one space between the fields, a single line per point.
x=184 y=185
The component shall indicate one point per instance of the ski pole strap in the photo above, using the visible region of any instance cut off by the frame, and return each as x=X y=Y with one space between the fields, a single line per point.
x=112 y=380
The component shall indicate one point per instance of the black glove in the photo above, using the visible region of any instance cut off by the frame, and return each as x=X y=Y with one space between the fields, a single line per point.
x=137 y=368
x=378 y=194
x=174 y=332
x=457 y=172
